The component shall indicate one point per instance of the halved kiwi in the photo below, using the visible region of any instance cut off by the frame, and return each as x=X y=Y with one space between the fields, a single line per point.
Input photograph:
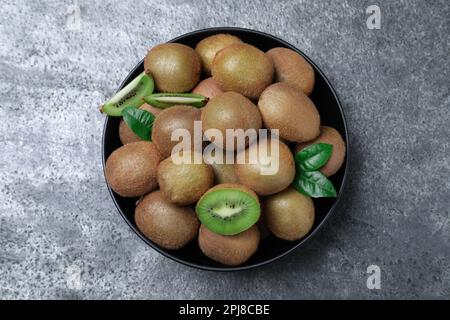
x=166 y=100
x=228 y=209
x=130 y=96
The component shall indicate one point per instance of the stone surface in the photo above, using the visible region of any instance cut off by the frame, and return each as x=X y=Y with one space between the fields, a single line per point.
x=57 y=218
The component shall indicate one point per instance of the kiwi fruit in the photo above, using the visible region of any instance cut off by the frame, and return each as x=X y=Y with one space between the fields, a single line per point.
x=292 y=68
x=208 y=88
x=244 y=69
x=223 y=172
x=288 y=109
x=170 y=119
x=228 y=209
x=229 y=250
x=331 y=136
x=209 y=46
x=169 y=226
x=131 y=169
x=127 y=135
x=175 y=67
x=230 y=110
x=250 y=173
x=130 y=96
x=289 y=214
x=184 y=183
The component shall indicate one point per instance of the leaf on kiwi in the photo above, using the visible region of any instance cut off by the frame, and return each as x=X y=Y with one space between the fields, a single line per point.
x=140 y=121
x=314 y=157
x=314 y=184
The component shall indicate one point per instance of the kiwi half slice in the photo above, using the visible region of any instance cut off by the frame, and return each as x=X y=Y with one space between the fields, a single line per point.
x=166 y=100
x=228 y=209
x=130 y=96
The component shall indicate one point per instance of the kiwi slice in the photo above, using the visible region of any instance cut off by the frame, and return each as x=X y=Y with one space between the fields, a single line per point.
x=130 y=96
x=228 y=209
x=166 y=100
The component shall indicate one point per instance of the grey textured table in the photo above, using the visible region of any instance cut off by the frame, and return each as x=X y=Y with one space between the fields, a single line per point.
x=60 y=234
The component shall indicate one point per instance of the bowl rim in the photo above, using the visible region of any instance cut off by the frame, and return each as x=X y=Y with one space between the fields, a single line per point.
x=330 y=212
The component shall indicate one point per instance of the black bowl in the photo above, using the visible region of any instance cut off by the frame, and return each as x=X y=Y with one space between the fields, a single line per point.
x=270 y=248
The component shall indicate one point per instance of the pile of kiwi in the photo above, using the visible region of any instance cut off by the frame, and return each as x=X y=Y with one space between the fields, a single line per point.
x=220 y=205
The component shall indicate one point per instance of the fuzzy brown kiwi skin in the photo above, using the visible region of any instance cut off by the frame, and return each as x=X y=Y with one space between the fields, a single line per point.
x=230 y=110
x=131 y=169
x=169 y=226
x=184 y=184
x=175 y=67
x=209 y=46
x=289 y=214
x=208 y=88
x=176 y=117
x=224 y=173
x=331 y=136
x=264 y=185
x=244 y=69
x=288 y=109
x=292 y=68
x=229 y=250
x=127 y=135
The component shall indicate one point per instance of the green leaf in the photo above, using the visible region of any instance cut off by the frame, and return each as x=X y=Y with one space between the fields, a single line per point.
x=140 y=121
x=314 y=184
x=314 y=157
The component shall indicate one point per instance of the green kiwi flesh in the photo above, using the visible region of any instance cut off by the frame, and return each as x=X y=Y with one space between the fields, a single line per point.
x=130 y=96
x=166 y=100
x=228 y=211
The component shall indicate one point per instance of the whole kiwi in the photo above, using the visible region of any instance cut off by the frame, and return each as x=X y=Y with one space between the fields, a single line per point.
x=169 y=226
x=230 y=110
x=229 y=250
x=208 y=88
x=251 y=173
x=175 y=67
x=184 y=183
x=289 y=214
x=223 y=171
x=292 y=68
x=170 y=119
x=127 y=135
x=131 y=169
x=209 y=46
x=331 y=136
x=288 y=109
x=244 y=69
